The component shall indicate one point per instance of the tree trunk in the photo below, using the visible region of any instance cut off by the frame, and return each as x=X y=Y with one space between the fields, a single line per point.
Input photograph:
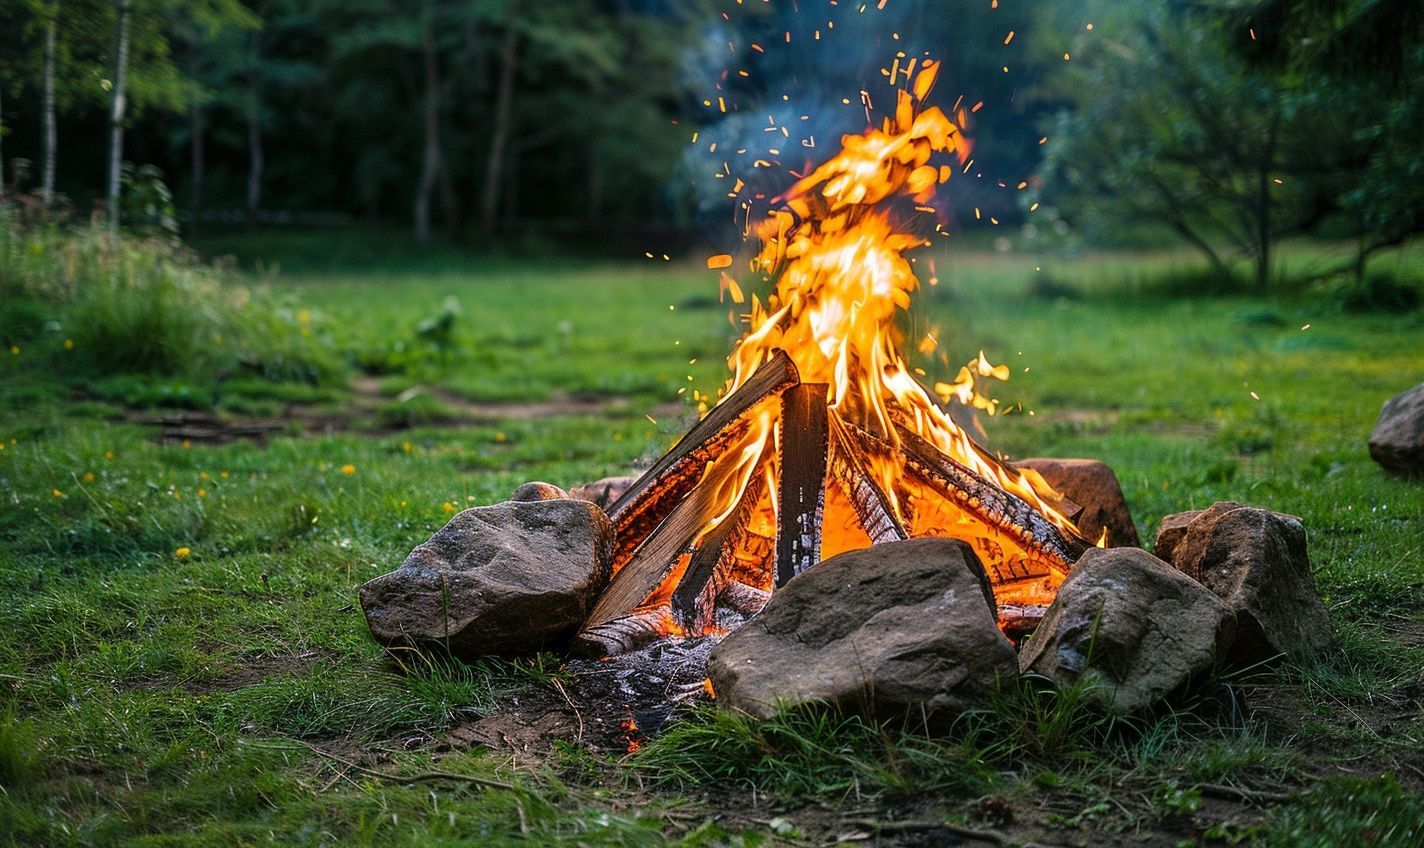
x=51 y=136
x=431 y=164
x=499 y=138
x=595 y=189
x=255 y=158
x=199 y=172
x=117 y=108
x=1264 y=235
x=2 y=141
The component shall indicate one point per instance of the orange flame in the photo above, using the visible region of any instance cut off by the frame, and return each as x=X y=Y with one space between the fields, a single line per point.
x=836 y=248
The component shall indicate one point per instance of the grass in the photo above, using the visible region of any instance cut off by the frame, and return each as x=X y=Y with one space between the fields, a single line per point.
x=183 y=660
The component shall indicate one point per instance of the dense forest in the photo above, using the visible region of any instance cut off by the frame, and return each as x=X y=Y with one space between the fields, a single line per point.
x=1229 y=125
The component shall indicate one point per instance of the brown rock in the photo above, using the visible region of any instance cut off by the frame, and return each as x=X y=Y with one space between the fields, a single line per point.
x=1256 y=561
x=1397 y=441
x=895 y=626
x=1170 y=531
x=501 y=579
x=603 y=492
x=537 y=491
x=1093 y=486
x=1132 y=626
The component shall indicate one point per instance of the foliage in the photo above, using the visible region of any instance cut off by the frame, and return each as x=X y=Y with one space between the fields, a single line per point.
x=1350 y=811
x=98 y=304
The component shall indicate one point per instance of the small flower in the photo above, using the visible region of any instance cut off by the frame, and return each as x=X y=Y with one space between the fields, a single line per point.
x=202 y=493
x=407 y=447
x=88 y=477
x=14 y=350
x=187 y=443
x=348 y=469
x=69 y=344
x=500 y=437
x=448 y=507
x=222 y=474
x=404 y=504
x=108 y=454
x=182 y=553
x=56 y=493
x=203 y=475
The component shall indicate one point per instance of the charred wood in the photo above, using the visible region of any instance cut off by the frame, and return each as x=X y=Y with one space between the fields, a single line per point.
x=804 y=441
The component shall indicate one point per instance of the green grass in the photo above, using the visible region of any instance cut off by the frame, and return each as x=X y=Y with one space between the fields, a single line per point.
x=153 y=698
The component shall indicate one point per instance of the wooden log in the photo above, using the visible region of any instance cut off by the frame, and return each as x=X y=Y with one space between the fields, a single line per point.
x=622 y=634
x=647 y=503
x=872 y=507
x=804 y=442
x=990 y=503
x=708 y=572
x=743 y=599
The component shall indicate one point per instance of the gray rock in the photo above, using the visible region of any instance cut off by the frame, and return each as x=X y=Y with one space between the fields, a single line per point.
x=1132 y=626
x=501 y=579
x=895 y=626
x=603 y=492
x=537 y=491
x=1256 y=561
x=1093 y=486
x=1397 y=441
x=1171 y=530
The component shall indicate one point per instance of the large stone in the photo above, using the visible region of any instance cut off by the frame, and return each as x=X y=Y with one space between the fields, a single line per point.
x=603 y=492
x=1256 y=561
x=1093 y=486
x=1397 y=442
x=1130 y=625
x=501 y=579
x=902 y=625
x=1170 y=532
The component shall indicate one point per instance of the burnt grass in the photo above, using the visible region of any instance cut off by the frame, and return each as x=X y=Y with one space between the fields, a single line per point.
x=182 y=659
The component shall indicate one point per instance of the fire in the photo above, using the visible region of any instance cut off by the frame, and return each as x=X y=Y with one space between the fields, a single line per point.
x=836 y=246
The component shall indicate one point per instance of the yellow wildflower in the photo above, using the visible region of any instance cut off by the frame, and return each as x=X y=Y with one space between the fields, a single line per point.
x=14 y=350
x=69 y=344
x=108 y=454
x=182 y=553
x=348 y=469
x=88 y=476
x=407 y=447
x=202 y=493
x=56 y=493
x=448 y=507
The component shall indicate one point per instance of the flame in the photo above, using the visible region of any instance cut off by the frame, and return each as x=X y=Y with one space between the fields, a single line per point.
x=836 y=245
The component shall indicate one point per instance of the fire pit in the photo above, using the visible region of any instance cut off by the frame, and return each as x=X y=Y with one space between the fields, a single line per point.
x=825 y=441
x=826 y=447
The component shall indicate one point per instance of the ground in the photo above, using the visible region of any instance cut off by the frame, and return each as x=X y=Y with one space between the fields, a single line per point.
x=183 y=660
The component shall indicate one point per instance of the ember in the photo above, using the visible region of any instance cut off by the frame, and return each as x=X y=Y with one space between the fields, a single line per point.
x=824 y=440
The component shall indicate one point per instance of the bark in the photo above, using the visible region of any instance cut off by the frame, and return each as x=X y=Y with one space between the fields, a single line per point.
x=255 y=156
x=431 y=160
x=117 y=107
x=499 y=138
x=199 y=166
x=51 y=135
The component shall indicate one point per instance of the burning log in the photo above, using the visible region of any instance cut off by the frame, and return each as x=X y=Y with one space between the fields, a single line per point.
x=871 y=504
x=805 y=439
x=709 y=572
x=624 y=634
x=646 y=503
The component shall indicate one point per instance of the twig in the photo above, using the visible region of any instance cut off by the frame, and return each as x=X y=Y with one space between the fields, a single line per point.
x=560 y=686
x=991 y=836
x=412 y=778
x=1234 y=793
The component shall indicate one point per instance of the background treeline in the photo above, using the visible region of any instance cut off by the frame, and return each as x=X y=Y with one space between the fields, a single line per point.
x=1227 y=124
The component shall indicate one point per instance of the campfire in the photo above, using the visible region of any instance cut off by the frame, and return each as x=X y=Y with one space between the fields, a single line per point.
x=825 y=440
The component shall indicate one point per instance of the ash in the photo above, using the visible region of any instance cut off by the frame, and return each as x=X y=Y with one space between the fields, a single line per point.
x=651 y=683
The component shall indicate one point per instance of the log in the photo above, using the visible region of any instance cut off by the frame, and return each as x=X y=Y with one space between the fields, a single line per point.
x=622 y=634
x=694 y=600
x=985 y=500
x=872 y=507
x=743 y=599
x=804 y=442
x=647 y=503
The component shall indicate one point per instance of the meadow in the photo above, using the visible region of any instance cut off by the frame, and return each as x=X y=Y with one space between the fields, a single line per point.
x=183 y=660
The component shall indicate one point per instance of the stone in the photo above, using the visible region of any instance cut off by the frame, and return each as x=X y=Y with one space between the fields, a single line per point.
x=1256 y=561
x=603 y=492
x=537 y=491
x=897 y=626
x=1093 y=486
x=1171 y=530
x=1133 y=627
x=503 y=579
x=1397 y=441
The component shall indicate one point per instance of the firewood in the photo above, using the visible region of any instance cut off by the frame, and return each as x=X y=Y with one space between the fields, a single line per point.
x=870 y=502
x=985 y=500
x=622 y=634
x=694 y=599
x=743 y=599
x=804 y=441
x=647 y=503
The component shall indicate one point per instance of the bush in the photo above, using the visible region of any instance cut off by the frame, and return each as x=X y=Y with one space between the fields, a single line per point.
x=121 y=304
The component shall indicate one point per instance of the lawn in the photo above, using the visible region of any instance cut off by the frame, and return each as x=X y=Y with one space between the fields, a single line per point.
x=182 y=660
